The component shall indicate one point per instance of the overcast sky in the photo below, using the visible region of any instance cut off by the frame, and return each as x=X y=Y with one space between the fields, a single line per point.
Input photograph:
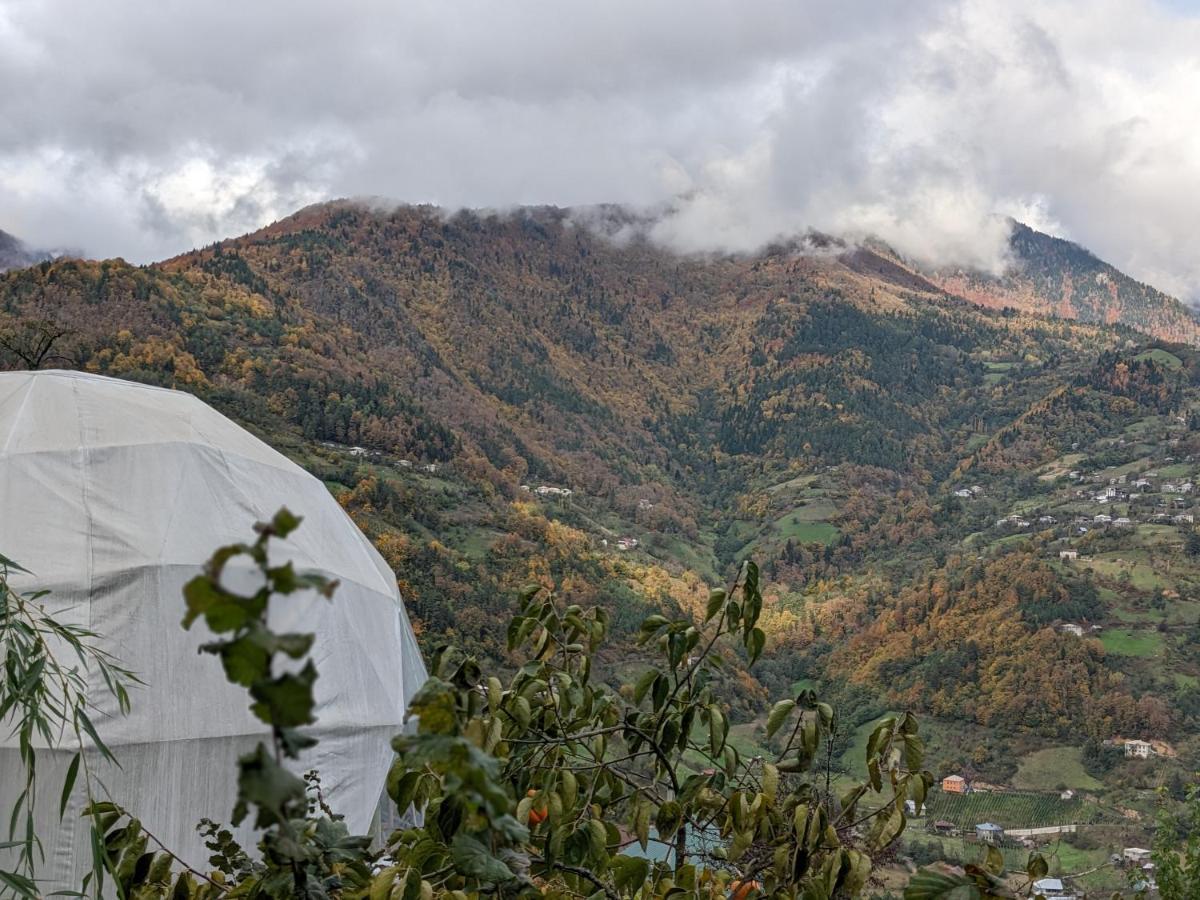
x=145 y=129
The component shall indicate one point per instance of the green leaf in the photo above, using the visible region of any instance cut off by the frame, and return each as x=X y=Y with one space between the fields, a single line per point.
x=283 y=523
x=473 y=859
x=87 y=726
x=1037 y=867
x=755 y=642
x=643 y=685
x=778 y=715
x=887 y=827
x=286 y=701
x=993 y=860
x=668 y=820
x=434 y=706
x=770 y=781
x=716 y=600
x=929 y=884
x=629 y=871
x=19 y=884
x=68 y=785
x=273 y=790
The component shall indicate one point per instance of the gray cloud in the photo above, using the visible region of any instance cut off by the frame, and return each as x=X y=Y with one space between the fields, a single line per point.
x=143 y=130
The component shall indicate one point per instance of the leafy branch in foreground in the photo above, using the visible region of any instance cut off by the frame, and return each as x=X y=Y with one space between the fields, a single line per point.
x=44 y=699
x=595 y=771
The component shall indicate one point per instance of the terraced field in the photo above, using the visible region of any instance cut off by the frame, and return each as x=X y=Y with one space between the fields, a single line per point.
x=1010 y=809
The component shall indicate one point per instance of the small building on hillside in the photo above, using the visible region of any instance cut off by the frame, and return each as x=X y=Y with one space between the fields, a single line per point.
x=989 y=833
x=963 y=493
x=941 y=826
x=1071 y=628
x=1135 y=855
x=954 y=784
x=1068 y=555
x=1184 y=519
x=1122 y=522
x=1102 y=519
x=1048 y=887
x=1135 y=749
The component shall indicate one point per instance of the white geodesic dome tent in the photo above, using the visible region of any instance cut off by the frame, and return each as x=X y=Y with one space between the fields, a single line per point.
x=114 y=494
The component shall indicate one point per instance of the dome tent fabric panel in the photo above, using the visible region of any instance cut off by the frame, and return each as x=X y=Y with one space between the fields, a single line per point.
x=114 y=494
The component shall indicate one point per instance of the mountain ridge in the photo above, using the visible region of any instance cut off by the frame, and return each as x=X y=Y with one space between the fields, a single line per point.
x=503 y=399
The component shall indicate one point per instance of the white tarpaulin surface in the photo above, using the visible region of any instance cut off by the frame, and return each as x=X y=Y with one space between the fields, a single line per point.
x=114 y=494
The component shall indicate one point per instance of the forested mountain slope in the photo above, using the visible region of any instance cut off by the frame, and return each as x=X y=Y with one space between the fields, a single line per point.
x=823 y=412
x=1059 y=278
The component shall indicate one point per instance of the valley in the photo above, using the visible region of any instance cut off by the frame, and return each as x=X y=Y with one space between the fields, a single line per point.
x=985 y=516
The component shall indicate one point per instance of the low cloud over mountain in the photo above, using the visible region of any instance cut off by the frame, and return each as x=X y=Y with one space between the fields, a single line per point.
x=924 y=125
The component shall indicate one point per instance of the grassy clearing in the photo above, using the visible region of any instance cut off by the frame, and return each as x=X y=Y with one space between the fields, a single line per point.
x=1061 y=466
x=1126 y=642
x=795 y=527
x=1045 y=770
x=798 y=483
x=815 y=511
x=805 y=684
x=1140 y=575
x=1162 y=357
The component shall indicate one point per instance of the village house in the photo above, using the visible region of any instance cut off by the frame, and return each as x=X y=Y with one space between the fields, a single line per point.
x=1068 y=555
x=1184 y=519
x=1135 y=749
x=963 y=493
x=954 y=784
x=1071 y=628
x=1186 y=488
x=1048 y=887
x=1135 y=855
x=1102 y=519
x=989 y=833
x=644 y=504
x=1046 y=520
x=941 y=826
x=627 y=543
x=406 y=463
x=1122 y=522
x=430 y=467
x=1169 y=488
